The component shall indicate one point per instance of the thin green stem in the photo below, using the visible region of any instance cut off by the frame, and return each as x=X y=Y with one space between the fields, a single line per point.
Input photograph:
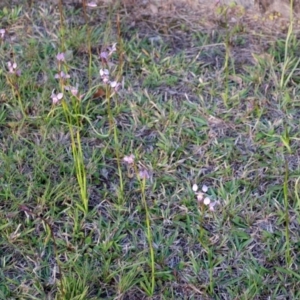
x=287 y=218
x=149 y=234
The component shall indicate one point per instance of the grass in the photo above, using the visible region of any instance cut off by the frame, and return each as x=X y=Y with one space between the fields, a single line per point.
x=82 y=219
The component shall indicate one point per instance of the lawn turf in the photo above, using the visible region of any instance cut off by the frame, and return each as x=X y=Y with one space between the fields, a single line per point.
x=201 y=101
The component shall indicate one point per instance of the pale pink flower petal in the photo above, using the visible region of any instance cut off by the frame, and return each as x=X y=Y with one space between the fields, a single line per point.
x=104 y=72
x=104 y=55
x=60 y=56
x=105 y=79
x=115 y=85
x=2 y=33
x=206 y=201
x=144 y=174
x=129 y=159
x=60 y=96
x=212 y=206
x=91 y=4
x=204 y=188
x=12 y=68
x=195 y=187
x=200 y=197
x=74 y=91
x=112 y=49
x=62 y=74
x=55 y=98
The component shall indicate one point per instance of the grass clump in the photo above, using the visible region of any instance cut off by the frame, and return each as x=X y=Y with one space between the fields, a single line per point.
x=161 y=164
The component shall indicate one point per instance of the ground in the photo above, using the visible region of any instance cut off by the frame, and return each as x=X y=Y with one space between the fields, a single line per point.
x=172 y=175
